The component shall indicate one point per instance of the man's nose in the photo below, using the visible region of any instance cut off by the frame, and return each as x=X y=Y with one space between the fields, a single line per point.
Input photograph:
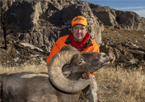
x=79 y=30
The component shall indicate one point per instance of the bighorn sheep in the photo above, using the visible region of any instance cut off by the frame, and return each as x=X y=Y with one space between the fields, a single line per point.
x=63 y=83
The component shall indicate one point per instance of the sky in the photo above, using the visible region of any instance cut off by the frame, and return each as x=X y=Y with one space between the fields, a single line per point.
x=137 y=6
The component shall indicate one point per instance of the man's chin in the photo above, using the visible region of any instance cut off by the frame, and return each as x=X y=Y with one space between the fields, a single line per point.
x=79 y=39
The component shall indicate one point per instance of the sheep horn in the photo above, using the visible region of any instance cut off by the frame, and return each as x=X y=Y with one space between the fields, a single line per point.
x=58 y=79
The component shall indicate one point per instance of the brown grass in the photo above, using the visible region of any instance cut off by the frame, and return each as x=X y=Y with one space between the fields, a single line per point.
x=26 y=68
x=119 y=85
x=114 y=85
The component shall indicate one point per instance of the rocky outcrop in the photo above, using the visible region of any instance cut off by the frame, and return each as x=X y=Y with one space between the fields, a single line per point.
x=5 y=4
x=130 y=20
x=106 y=14
x=124 y=19
x=43 y=22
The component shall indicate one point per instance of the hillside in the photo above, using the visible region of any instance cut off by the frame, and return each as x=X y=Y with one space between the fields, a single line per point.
x=36 y=23
x=125 y=47
x=131 y=43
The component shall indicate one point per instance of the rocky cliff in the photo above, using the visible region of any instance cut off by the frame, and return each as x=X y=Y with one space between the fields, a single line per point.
x=41 y=22
x=115 y=18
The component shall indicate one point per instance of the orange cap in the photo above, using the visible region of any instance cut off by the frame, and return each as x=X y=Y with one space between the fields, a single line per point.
x=79 y=20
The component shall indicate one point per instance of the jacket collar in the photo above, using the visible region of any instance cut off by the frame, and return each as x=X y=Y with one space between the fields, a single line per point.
x=88 y=43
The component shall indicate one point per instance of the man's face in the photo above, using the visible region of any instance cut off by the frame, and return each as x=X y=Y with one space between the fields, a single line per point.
x=79 y=32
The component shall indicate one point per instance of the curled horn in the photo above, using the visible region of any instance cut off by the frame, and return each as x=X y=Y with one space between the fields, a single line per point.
x=58 y=79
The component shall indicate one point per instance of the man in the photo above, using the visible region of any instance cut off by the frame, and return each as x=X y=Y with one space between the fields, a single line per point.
x=80 y=39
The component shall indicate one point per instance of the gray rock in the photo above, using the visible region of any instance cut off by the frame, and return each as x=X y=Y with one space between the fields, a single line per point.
x=42 y=22
x=124 y=19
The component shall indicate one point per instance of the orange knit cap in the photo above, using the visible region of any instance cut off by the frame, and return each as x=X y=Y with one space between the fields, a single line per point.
x=79 y=20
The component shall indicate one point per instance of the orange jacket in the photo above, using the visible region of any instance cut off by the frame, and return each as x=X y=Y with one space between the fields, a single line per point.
x=91 y=46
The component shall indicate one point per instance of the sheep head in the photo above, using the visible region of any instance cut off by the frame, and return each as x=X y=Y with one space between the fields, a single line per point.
x=66 y=68
x=88 y=62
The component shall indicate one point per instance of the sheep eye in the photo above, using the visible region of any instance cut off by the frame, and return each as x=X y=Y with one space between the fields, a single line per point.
x=80 y=61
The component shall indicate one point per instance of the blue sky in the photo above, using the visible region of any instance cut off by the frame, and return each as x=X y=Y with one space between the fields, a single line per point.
x=137 y=6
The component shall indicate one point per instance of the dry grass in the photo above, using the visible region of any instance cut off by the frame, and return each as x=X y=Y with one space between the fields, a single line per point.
x=114 y=85
x=119 y=85
x=26 y=68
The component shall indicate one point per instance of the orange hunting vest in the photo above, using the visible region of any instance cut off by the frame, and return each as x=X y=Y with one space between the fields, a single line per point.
x=90 y=46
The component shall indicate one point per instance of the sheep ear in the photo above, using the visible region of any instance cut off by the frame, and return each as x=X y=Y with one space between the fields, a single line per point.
x=66 y=73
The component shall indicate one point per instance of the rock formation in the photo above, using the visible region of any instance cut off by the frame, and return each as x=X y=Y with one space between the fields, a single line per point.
x=125 y=19
x=42 y=22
